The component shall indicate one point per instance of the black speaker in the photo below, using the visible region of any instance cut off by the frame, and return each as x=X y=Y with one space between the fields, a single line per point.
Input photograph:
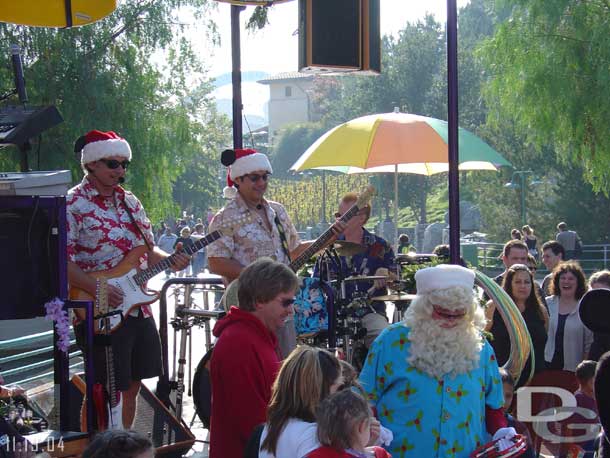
x=170 y=437
x=30 y=244
x=339 y=36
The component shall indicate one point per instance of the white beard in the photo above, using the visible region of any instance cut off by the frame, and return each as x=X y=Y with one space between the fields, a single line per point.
x=441 y=351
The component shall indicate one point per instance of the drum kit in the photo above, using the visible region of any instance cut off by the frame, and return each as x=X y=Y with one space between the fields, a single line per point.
x=354 y=317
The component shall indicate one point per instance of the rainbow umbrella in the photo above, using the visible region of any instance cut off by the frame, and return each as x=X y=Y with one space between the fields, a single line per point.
x=55 y=13
x=399 y=143
x=390 y=142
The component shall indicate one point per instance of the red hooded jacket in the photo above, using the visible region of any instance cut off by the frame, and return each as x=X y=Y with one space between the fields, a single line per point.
x=244 y=365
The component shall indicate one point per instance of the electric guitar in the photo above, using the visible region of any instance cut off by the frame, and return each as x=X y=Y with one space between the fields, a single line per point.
x=230 y=296
x=107 y=399
x=131 y=280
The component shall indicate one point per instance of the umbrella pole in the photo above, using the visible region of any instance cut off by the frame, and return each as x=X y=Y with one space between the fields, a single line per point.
x=395 y=207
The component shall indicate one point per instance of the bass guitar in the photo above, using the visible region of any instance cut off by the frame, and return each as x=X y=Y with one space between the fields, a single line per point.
x=230 y=296
x=107 y=399
x=131 y=280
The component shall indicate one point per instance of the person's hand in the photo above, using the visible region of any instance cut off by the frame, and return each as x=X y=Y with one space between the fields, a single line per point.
x=180 y=260
x=504 y=435
x=338 y=227
x=375 y=428
x=115 y=296
x=385 y=436
x=382 y=271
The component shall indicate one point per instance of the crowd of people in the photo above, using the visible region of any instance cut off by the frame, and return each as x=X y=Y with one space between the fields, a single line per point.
x=430 y=385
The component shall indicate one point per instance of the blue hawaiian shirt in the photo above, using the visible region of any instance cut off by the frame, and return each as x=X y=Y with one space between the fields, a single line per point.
x=429 y=417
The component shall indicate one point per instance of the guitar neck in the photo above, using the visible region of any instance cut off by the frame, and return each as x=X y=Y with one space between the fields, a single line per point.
x=110 y=380
x=146 y=274
x=320 y=242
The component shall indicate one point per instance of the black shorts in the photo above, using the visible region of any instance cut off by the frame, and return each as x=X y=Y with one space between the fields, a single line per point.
x=136 y=349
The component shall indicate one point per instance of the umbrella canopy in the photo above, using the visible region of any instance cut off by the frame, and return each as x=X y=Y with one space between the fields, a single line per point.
x=390 y=142
x=399 y=143
x=55 y=13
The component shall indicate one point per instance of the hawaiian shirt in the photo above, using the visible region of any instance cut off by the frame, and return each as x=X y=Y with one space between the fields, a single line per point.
x=378 y=253
x=429 y=417
x=100 y=231
x=251 y=241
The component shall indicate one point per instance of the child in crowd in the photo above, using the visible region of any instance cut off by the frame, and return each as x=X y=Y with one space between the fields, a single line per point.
x=508 y=384
x=585 y=398
x=344 y=428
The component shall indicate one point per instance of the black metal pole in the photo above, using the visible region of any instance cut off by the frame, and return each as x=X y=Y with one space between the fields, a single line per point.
x=452 y=119
x=236 y=76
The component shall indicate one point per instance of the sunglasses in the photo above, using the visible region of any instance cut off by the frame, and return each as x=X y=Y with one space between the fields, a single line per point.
x=254 y=177
x=114 y=164
x=287 y=302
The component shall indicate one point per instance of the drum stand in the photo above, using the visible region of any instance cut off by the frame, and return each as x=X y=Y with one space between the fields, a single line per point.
x=343 y=321
x=186 y=316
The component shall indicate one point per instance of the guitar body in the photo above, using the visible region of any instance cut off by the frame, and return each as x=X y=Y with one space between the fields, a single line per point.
x=120 y=276
x=115 y=413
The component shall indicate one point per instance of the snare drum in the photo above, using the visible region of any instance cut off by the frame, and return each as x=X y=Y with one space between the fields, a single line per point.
x=310 y=311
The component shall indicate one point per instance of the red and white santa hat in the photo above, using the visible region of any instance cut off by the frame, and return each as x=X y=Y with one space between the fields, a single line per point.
x=97 y=145
x=241 y=162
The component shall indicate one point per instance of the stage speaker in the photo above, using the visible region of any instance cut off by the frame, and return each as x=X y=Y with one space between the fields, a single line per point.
x=170 y=436
x=339 y=36
x=30 y=246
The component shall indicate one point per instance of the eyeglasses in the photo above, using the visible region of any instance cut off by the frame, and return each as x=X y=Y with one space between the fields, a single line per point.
x=287 y=302
x=254 y=177
x=114 y=164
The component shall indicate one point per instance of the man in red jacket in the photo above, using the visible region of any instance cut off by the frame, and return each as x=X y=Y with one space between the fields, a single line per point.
x=245 y=361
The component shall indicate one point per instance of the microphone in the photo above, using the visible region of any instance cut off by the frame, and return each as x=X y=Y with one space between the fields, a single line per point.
x=121 y=180
x=18 y=71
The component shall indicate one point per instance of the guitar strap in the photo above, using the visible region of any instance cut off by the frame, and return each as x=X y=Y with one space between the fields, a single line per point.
x=280 y=229
x=133 y=221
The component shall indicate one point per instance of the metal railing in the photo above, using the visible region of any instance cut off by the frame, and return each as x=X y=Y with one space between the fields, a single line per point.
x=21 y=367
x=489 y=258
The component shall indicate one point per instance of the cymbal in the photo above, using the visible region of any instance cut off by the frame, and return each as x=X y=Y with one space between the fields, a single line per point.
x=365 y=277
x=395 y=297
x=345 y=248
x=415 y=258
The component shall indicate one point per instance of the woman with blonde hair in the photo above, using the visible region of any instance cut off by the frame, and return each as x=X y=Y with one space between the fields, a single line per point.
x=305 y=379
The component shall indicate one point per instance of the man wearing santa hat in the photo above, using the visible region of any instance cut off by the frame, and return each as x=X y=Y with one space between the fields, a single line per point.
x=106 y=222
x=433 y=379
x=270 y=234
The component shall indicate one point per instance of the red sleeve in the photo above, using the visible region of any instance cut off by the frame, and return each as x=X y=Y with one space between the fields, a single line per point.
x=494 y=419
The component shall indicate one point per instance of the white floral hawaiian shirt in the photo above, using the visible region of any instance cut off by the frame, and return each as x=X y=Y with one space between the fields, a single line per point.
x=252 y=241
x=100 y=231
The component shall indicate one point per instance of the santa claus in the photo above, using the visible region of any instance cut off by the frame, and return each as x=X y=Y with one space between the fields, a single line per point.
x=433 y=379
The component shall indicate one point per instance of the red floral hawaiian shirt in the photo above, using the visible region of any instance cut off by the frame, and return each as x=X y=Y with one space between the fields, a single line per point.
x=100 y=231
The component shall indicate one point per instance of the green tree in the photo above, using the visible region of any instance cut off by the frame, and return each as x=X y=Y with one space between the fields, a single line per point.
x=291 y=144
x=548 y=71
x=103 y=76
